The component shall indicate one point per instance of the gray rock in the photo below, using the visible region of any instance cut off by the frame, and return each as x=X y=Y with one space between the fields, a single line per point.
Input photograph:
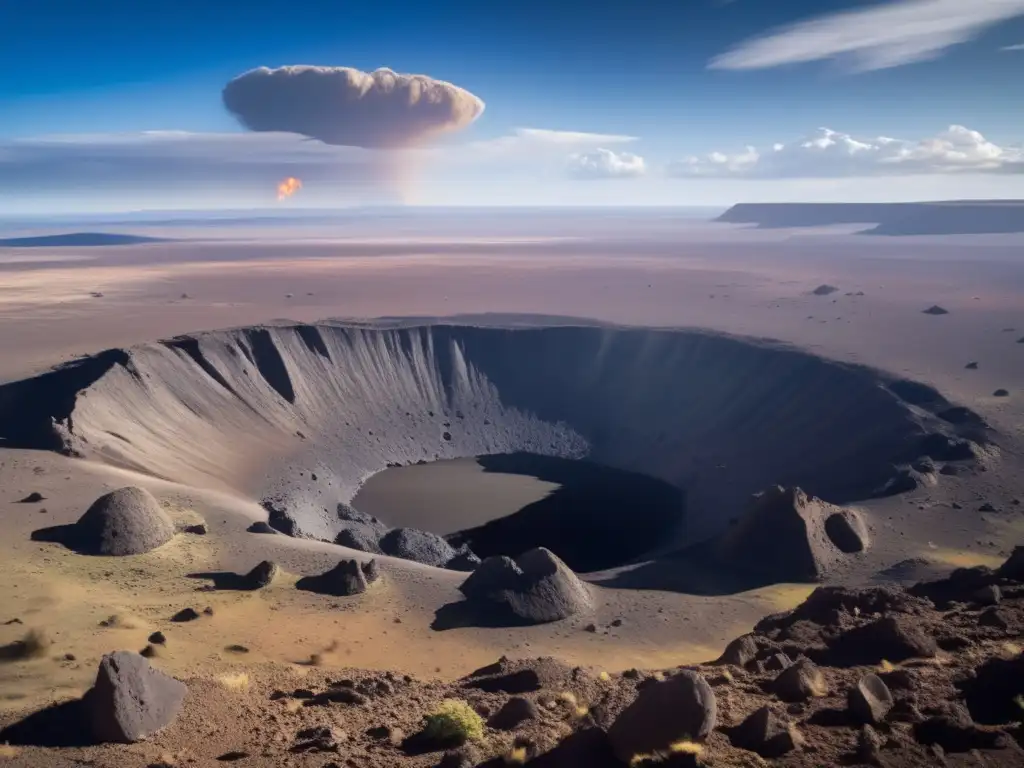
x=513 y=713
x=800 y=682
x=361 y=538
x=1013 y=568
x=493 y=575
x=778 y=662
x=765 y=733
x=130 y=700
x=128 y=521
x=262 y=575
x=682 y=707
x=869 y=745
x=988 y=595
x=740 y=652
x=419 y=546
x=347 y=578
x=869 y=701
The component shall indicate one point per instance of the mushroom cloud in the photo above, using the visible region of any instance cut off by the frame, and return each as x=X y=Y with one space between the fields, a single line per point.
x=344 y=106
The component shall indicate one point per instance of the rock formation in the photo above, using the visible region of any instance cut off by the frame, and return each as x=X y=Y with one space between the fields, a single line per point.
x=128 y=521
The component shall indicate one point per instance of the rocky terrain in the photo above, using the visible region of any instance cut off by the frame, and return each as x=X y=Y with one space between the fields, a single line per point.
x=883 y=676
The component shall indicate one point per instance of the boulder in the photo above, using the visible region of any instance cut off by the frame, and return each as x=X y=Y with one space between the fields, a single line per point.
x=892 y=638
x=869 y=701
x=535 y=588
x=130 y=700
x=740 y=652
x=513 y=713
x=992 y=693
x=359 y=538
x=420 y=546
x=1013 y=568
x=682 y=707
x=347 y=578
x=799 y=682
x=262 y=575
x=765 y=733
x=128 y=521
x=809 y=538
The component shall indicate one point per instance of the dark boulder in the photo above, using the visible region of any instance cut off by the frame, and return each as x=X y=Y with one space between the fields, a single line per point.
x=891 y=638
x=130 y=700
x=347 y=578
x=663 y=713
x=799 y=682
x=992 y=694
x=1013 y=568
x=513 y=713
x=765 y=733
x=359 y=538
x=419 y=546
x=869 y=701
x=262 y=575
x=261 y=527
x=741 y=651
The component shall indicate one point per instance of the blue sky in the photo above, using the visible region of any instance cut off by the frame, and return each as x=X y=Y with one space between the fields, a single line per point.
x=681 y=77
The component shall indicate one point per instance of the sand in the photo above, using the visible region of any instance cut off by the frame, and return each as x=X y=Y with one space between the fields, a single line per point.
x=751 y=283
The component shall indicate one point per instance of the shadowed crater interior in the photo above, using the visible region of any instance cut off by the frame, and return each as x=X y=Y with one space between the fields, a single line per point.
x=617 y=424
x=595 y=517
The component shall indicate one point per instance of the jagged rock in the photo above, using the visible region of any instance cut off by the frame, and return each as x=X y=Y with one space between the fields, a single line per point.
x=935 y=309
x=993 y=617
x=682 y=707
x=262 y=575
x=740 y=652
x=33 y=498
x=521 y=676
x=514 y=712
x=347 y=578
x=537 y=587
x=261 y=527
x=949 y=448
x=157 y=638
x=956 y=732
x=992 y=693
x=419 y=546
x=869 y=701
x=130 y=700
x=199 y=529
x=869 y=745
x=371 y=571
x=961 y=586
x=824 y=290
x=972 y=366
x=765 y=733
x=128 y=521
x=1013 y=568
x=798 y=525
x=1001 y=393
x=891 y=638
x=799 y=682
x=825 y=605
x=185 y=614
x=777 y=662
x=464 y=560
x=988 y=595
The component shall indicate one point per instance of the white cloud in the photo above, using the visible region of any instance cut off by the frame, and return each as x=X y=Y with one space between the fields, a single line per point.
x=829 y=154
x=888 y=35
x=535 y=140
x=605 y=164
x=1018 y=47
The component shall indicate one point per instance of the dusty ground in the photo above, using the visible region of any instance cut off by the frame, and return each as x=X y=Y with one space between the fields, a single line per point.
x=737 y=281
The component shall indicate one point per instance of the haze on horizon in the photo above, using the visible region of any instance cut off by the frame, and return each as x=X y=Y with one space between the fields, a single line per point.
x=116 y=106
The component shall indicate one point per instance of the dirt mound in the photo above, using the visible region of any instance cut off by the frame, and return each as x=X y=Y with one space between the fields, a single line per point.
x=536 y=587
x=789 y=536
x=128 y=521
x=325 y=406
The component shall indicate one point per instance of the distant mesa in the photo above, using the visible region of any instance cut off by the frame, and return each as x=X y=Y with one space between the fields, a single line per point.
x=128 y=521
x=955 y=217
x=78 y=239
x=935 y=309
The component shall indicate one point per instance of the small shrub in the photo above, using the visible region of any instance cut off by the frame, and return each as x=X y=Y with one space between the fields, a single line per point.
x=454 y=721
x=604 y=676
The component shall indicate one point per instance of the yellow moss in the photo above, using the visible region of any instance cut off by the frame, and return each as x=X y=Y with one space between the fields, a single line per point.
x=887 y=666
x=582 y=711
x=8 y=752
x=516 y=756
x=235 y=682
x=455 y=720
x=568 y=697
x=727 y=675
x=1012 y=649
x=686 y=747
x=604 y=676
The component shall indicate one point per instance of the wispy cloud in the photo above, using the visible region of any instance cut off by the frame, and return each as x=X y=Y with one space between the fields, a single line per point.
x=1018 y=47
x=605 y=164
x=830 y=154
x=892 y=34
